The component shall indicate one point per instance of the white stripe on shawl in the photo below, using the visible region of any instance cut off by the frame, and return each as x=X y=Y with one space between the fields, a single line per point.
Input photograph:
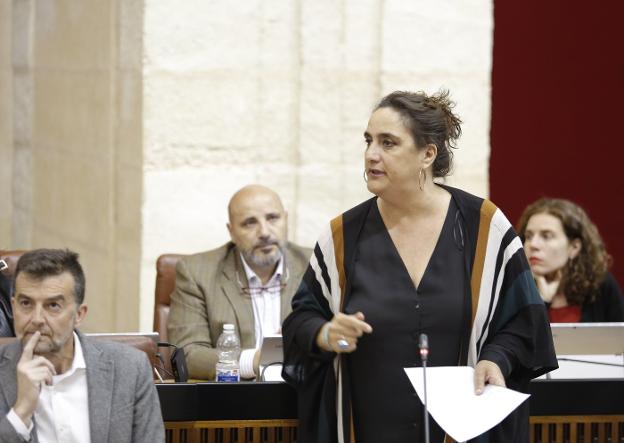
x=333 y=294
x=319 y=276
x=499 y=225
x=326 y=245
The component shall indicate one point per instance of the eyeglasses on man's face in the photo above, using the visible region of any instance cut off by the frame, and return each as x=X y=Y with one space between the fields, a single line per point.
x=273 y=288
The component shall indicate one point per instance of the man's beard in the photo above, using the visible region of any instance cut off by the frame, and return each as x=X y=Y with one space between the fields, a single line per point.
x=261 y=260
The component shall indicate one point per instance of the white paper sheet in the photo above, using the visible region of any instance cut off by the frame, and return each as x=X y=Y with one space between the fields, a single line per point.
x=452 y=403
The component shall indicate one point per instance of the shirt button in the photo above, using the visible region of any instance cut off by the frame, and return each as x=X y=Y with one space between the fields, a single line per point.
x=417 y=305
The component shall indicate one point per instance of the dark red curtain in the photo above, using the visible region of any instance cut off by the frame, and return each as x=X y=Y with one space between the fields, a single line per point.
x=558 y=110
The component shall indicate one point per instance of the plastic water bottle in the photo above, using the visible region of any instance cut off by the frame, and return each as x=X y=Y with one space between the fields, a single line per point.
x=228 y=348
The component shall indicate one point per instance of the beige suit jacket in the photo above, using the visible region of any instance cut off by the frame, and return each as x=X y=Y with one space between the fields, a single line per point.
x=208 y=294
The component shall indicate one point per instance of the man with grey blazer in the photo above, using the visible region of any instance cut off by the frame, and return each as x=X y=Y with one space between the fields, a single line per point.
x=56 y=385
x=248 y=282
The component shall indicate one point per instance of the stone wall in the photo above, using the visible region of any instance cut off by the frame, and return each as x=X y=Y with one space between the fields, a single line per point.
x=126 y=125
x=6 y=122
x=280 y=93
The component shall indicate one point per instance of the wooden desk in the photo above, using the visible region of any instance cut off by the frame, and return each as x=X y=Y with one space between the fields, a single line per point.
x=267 y=412
x=559 y=415
x=244 y=412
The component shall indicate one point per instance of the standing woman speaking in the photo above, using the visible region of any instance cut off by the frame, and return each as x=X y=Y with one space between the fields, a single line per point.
x=417 y=258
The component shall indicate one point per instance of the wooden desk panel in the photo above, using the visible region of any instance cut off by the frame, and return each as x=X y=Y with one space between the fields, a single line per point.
x=267 y=412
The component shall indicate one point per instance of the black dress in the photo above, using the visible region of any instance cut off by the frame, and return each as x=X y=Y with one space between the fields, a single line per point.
x=385 y=405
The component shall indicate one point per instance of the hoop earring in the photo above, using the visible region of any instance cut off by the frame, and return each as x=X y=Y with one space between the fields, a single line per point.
x=422 y=174
x=365 y=176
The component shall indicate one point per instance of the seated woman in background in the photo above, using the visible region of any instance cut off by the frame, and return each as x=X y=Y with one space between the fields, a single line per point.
x=569 y=262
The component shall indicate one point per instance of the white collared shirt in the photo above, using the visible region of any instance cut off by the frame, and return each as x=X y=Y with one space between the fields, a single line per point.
x=62 y=413
x=266 y=302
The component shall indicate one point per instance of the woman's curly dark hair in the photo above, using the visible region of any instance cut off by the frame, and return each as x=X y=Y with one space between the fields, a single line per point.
x=583 y=274
x=430 y=120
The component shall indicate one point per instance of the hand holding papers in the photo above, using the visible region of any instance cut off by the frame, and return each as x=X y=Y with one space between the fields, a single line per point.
x=454 y=405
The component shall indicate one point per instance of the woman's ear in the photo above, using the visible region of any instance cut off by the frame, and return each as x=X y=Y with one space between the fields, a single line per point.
x=430 y=152
x=575 y=247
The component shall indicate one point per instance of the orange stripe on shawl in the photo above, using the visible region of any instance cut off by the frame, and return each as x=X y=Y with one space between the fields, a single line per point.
x=487 y=212
x=338 y=237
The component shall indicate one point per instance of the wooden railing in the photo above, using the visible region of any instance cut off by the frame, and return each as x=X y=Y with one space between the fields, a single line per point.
x=577 y=429
x=572 y=411
x=232 y=431
x=558 y=429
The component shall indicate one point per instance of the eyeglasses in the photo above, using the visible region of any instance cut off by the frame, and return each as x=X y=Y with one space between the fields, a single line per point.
x=272 y=288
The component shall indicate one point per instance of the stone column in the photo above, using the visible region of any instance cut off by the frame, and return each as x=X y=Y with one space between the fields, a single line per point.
x=6 y=122
x=77 y=175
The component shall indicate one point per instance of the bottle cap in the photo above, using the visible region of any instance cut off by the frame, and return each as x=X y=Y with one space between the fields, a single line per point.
x=228 y=327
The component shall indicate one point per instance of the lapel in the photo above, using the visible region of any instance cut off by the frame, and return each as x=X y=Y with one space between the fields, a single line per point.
x=100 y=378
x=8 y=368
x=293 y=270
x=8 y=376
x=233 y=269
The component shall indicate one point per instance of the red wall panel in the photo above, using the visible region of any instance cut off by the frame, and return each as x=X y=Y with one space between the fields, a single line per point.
x=558 y=110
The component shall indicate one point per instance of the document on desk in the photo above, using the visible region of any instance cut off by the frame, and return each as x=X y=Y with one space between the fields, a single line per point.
x=452 y=403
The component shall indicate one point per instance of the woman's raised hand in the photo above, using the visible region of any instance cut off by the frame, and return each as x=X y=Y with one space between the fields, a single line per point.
x=547 y=289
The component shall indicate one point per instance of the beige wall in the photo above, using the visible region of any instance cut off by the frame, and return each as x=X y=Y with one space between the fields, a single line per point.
x=6 y=122
x=77 y=144
x=131 y=122
x=279 y=92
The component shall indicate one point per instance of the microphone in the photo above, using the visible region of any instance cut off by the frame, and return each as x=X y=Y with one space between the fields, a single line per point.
x=423 y=345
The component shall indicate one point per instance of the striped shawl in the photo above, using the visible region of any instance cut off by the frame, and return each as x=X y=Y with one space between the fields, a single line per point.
x=505 y=320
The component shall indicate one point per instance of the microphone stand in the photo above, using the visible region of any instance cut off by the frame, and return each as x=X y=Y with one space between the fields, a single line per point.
x=424 y=352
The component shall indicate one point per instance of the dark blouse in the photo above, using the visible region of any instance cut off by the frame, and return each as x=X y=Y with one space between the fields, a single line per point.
x=608 y=306
x=385 y=406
